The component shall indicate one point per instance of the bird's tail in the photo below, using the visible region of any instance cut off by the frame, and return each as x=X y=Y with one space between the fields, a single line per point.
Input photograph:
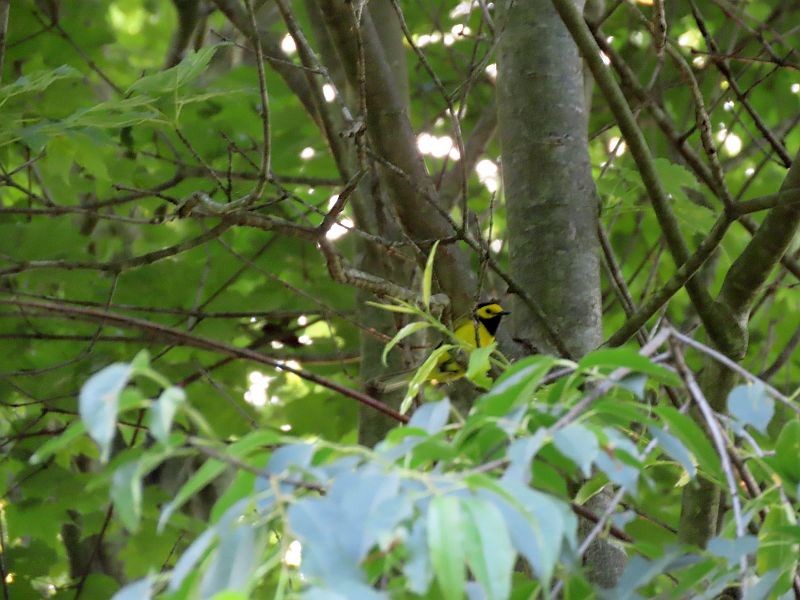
x=392 y=382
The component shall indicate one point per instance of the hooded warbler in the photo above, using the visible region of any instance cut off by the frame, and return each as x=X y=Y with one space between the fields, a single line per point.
x=476 y=331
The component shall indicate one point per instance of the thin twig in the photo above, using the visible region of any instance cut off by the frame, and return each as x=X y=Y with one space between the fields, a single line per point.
x=734 y=366
x=266 y=144
x=617 y=375
x=173 y=334
x=783 y=356
x=715 y=322
x=717 y=436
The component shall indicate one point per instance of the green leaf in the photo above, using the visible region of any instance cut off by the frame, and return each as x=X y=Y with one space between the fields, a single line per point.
x=190 y=557
x=163 y=411
x=674 y=178
x=212 y=469
x=488 y=548
x=37 y=82
x=479 y=365
x=787 y=451
x=86 y=147
x=181 y=74
x=401 y=307
x=630 y=359
x=138 y=590
x=126 y=493
x=406 y=331
x=689 y=433
x=99 y=402
x=117 y=113
x=422 y=375
x=230 y=595
x=141 y=361
x=515 y=386
x=446 y=546
x=579 y=444
x=537 y=523
x=427 y=276
x=54 y=445
x=60 y=155
x=673 y=447
x=751 y=405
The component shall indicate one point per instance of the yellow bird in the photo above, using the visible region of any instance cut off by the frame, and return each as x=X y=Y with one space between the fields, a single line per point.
x=477 y=331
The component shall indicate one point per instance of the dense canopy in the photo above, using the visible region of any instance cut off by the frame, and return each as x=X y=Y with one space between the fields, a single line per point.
x=225 y=224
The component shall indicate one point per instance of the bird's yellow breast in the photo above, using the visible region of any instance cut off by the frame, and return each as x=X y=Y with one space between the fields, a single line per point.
x=472 y=332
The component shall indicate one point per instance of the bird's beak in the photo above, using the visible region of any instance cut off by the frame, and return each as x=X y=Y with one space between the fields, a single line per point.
x=505 y=312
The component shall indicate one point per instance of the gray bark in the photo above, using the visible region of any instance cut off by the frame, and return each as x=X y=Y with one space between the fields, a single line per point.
x=550 y=196
x=371 y=212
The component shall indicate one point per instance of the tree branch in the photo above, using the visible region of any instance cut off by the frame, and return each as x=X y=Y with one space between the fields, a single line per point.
x=194 y=341
x=393 y=139
x=751 y=269
x=722 y=328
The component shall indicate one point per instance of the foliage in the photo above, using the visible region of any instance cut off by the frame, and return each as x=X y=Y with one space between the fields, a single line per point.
x=182 y=361
x=436 y=498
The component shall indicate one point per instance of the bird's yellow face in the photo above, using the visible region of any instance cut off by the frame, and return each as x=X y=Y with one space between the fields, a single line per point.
x=489 y=310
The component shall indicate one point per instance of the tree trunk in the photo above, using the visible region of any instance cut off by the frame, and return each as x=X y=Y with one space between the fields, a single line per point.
x=551 y=200
x=550 y=196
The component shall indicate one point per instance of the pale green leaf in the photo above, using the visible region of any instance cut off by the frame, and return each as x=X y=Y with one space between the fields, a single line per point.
x=99 y=402
x=141 y=589
x=406 y=331
x=579 y=444
x=479 y=365
x=422 y=375
x=427 y=276
x=446 y=546
x=751 y=405
x=401 y=307
x=489 y=552
x=126 y=493
x=163 y=411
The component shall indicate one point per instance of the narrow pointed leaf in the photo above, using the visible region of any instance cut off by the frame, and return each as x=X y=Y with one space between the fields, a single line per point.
x=489 y=552
x=427 y=276
x=126 y=493
x=579 y=444
x=163 y=411
x=406 y=331
x=422 y=374
x=401 y=307
x=445 y=543
x=99 y=403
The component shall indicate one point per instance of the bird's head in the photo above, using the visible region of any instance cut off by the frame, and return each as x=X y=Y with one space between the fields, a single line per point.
x=486 y=311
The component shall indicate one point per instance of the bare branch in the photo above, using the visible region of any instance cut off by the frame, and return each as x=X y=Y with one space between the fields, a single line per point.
x=195 y=341
x=721 y=327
